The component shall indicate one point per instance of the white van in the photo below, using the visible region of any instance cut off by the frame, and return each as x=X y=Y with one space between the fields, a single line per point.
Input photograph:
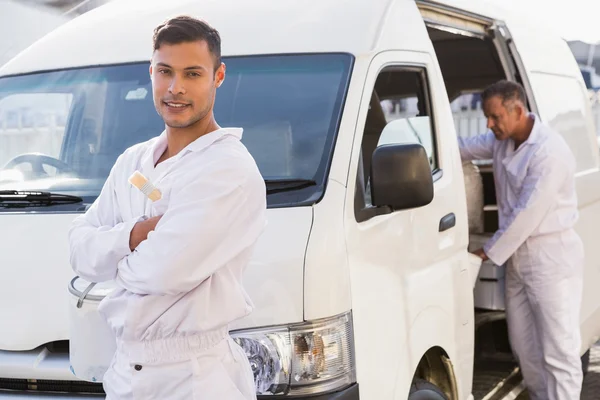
x=361 y=281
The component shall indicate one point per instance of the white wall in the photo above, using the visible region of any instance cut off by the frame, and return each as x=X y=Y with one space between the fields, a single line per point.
x=22 y=24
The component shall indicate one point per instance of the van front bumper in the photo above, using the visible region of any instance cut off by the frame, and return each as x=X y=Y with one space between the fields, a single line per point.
x=350 y=393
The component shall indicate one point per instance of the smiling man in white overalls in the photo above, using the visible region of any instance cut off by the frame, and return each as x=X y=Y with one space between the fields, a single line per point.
x=177 y=262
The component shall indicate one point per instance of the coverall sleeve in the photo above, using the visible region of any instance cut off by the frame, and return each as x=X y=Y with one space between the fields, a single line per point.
x=208 y=223
x=99 y=239
x=541 y=185
x=480 y=147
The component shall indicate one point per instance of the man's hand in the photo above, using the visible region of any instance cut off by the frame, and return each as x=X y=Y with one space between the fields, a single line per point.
x=140 y=231
x=481 y=254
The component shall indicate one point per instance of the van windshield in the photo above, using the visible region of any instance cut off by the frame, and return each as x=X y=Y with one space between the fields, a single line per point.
x=62 y=131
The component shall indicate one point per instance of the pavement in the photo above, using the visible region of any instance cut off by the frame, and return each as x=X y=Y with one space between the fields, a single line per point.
x=591 y=382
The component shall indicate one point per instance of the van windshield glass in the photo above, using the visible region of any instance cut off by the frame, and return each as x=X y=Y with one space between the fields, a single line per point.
x=62 y=131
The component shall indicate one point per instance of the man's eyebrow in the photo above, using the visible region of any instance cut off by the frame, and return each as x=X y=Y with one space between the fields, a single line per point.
x=193 y=67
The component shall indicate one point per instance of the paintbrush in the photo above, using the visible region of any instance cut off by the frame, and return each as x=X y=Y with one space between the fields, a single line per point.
x=138 y=180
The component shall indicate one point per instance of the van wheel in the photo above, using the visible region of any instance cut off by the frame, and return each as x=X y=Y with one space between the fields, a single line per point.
x=585 y=362
x=423 y=390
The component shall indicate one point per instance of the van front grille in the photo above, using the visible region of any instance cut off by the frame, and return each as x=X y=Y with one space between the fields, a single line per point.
x=51 y=386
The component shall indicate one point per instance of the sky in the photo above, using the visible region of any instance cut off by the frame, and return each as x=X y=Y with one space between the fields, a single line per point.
x=572 y=19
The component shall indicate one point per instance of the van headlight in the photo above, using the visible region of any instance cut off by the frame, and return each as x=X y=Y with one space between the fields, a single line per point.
x=307 y=358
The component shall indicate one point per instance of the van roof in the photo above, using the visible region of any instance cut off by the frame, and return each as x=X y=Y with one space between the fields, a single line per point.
x=121 y=31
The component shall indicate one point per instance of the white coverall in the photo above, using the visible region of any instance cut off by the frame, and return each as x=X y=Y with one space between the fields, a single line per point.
x=181 y=287
x=537 y=206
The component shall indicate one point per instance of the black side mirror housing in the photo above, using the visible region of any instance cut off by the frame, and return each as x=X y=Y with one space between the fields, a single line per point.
x=401 y=177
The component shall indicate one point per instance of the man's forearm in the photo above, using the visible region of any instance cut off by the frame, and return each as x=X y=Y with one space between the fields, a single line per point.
x=140 y=231
x=95 y=251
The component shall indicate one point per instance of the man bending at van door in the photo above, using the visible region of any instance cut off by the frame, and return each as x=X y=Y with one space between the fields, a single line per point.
x=534 y=171
x=179 y=274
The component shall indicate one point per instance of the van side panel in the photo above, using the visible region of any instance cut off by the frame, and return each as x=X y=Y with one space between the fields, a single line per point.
x=541 y=50
x=326 y=277
x=562 y=104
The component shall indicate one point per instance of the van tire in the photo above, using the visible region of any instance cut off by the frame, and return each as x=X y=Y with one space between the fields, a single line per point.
x=585 y=362
x=423 y=390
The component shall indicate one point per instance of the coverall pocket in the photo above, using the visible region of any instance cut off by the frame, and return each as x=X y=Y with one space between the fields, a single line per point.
x=515 y=182
x=159 y=207
x=214 y=383
x=172 y=381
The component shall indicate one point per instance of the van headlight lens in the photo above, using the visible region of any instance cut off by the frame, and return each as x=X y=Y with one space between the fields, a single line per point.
x=307 y=358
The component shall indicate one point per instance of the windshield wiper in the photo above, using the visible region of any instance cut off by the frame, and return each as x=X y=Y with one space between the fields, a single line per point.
x=22 y=199
x=287 y=184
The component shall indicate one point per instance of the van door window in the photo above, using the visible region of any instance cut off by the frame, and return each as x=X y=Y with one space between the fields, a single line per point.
x=400 y=112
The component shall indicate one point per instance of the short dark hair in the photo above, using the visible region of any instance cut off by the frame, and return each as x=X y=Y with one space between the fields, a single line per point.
x=508 y=91
x=184 y=29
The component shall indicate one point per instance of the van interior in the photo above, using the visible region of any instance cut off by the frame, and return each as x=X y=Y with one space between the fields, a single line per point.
x=469 y=63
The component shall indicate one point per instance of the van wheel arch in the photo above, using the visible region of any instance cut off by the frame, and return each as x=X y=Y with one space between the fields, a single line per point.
x=434 y=373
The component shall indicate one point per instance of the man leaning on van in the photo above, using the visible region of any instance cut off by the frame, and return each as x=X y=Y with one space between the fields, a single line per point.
x=534 y=173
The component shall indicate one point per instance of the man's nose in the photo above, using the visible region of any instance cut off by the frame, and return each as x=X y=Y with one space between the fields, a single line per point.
x=490 y=123
x=176 y=86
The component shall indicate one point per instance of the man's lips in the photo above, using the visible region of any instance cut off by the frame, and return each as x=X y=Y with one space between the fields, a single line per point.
x=175 y=105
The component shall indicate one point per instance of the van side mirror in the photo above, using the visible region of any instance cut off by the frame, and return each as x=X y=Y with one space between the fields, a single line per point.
x=401 y=177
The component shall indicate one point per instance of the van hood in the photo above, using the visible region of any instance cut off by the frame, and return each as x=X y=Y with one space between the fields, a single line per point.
x=35 y=270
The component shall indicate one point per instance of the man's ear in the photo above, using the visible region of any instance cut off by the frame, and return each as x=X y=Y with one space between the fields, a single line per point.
x=522 y=110
x=150 y=71
x=220 y=75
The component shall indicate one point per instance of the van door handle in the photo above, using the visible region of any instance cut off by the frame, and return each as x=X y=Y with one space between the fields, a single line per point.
x=447 y=222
